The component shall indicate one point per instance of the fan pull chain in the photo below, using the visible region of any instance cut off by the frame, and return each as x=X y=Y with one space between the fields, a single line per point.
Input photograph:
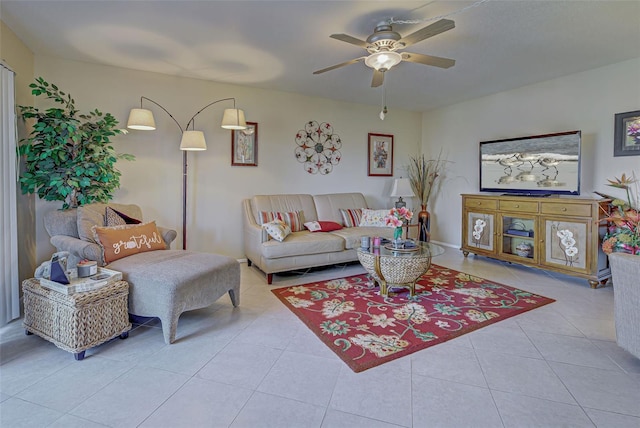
x=383 y=112
x=435 y=18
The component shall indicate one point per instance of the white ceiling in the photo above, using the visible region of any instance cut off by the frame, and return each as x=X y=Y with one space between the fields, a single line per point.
x=497 y=45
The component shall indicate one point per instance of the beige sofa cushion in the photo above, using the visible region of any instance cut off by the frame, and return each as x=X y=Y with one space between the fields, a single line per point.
x=285 y=203
x=328 y=206
x=352 y=235
x=302 y=244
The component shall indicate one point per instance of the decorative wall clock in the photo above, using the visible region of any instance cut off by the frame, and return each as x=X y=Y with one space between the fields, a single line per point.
x=318 y=148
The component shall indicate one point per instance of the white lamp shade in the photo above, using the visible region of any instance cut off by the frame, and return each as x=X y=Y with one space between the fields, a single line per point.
x=402 y=188
x=193 y=140
x=141 y=119
x=233 y=119
x=383 y=61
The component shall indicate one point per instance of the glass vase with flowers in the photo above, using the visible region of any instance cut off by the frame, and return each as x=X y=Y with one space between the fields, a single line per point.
x=397 y=218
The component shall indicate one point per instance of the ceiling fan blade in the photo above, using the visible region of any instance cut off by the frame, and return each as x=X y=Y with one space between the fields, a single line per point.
x=378 y=78
x=349 y=39
x=333 y=67
x=435 y=61
x=428 y=31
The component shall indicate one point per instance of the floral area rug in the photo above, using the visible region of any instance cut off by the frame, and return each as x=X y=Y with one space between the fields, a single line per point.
x=366 y=329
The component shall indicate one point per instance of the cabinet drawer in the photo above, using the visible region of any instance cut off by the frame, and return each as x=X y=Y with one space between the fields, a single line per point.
x=577 y=210
x=481 y=203
x=519 y=206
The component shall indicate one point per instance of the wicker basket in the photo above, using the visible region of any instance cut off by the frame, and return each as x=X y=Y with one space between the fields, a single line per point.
x=396 y=270
x=79 y=321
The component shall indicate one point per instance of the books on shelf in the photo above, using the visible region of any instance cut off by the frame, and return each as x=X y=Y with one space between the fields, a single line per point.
x=77 y=285
x=519 y=232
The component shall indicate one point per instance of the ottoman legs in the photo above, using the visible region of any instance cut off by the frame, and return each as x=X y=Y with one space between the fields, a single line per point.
x=234 y=294
x=166 y=283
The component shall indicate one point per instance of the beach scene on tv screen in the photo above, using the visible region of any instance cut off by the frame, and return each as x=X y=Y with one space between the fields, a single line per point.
x=537 y=164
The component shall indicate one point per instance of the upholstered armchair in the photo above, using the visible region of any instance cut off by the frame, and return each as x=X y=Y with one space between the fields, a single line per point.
x=162 y=283
x=625 y=269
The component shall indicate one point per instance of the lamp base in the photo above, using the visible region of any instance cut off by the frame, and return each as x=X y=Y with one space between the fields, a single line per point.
x=400 y=203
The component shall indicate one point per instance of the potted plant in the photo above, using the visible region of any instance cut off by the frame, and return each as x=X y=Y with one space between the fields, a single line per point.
x=623 y=231
x=423 y=174
x=622 y=244
x=68 y=156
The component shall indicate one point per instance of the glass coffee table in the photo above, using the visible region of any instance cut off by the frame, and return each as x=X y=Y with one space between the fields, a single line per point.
x=392 y=268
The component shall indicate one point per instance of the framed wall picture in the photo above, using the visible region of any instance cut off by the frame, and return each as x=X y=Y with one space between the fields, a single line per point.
x=380 y=151
x=244 y=146
x=627 y=134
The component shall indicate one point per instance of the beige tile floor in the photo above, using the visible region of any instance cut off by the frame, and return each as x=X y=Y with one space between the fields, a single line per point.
x=259 y=366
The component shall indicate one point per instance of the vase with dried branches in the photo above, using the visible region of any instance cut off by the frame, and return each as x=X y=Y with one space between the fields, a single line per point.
x=423 y=174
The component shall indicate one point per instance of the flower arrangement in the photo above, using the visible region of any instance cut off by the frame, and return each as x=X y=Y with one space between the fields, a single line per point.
x=396 y=218
x=623 y=232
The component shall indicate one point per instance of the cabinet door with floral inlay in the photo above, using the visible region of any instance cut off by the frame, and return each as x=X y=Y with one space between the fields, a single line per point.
x=566 y=244
x=479 y=232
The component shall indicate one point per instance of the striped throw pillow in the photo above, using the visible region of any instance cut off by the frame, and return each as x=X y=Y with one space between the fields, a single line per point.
x=351 y=217
x=294 y=219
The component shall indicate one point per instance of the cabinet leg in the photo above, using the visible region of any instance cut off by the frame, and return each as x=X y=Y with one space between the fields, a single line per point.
x=593 y=284
x=79 y=356
x=124 y=335
x=27 y=332
x=465 y=253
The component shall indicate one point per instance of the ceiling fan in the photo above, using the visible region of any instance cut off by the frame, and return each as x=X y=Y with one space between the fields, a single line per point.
x=384 y=43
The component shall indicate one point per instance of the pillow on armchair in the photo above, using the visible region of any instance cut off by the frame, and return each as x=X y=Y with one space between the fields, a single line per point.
x=116 y=218
x=94 y=215
x=118 y=242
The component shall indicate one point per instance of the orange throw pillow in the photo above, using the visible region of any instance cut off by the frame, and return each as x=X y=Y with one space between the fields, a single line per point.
x=122 y=241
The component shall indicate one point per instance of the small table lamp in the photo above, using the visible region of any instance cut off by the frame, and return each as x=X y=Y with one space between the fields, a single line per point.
x=401 y=188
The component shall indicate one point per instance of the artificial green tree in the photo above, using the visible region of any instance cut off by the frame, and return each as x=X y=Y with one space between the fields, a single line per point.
x=68 y=156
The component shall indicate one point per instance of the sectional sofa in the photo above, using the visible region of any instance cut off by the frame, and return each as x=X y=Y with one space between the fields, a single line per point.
x=304 y=249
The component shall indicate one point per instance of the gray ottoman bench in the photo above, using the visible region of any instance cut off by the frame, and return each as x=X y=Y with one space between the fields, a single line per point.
x=166 y=283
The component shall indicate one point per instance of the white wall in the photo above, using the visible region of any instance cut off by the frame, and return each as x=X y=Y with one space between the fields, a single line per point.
x=584 y=101
x=18 y=56
x=154 y=180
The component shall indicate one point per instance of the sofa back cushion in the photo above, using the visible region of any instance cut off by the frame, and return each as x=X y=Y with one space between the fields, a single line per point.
x=328 y=206
x=284 y=203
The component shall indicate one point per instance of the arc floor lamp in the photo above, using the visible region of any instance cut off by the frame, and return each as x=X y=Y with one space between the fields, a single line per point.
x=192 y=140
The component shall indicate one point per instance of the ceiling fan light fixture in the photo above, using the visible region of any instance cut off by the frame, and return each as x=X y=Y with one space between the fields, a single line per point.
x=383 y=61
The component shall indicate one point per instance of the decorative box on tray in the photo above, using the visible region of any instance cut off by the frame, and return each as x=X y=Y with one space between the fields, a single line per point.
x=103 y=277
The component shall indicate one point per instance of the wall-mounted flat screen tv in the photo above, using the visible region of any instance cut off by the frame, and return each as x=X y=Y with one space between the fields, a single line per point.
x=536 y=165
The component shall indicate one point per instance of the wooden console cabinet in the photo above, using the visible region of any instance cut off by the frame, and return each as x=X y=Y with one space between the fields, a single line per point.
x=561 y=234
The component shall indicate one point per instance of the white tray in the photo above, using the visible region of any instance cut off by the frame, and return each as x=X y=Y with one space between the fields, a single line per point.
x=103 y=277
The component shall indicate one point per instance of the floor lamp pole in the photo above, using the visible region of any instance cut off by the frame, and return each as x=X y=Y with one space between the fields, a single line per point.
x=142 y=119
x=184 y=200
